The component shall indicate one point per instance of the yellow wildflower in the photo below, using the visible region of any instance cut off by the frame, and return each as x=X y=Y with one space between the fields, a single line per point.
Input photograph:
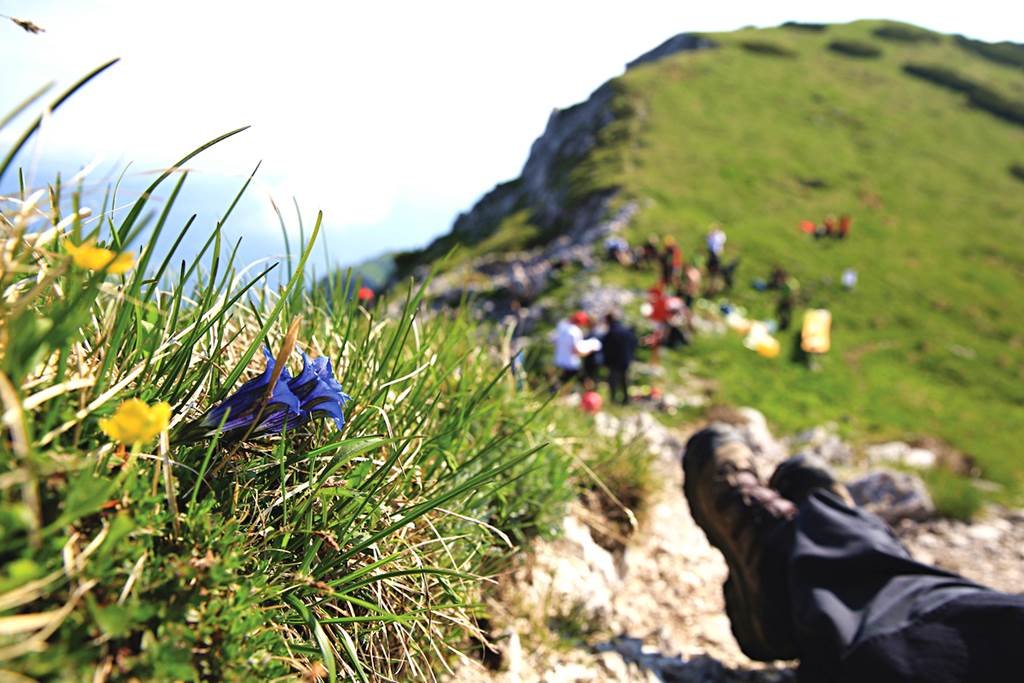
x=136 y=422
x=88 y=255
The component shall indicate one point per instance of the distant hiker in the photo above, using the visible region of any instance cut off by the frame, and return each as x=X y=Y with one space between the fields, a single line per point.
x=659 y=314
x=570 y=347
x=649 y=251
x=728 y=273
x=816 y=335
x=778 y=277
x=676 y=331
x=690 y=288
x=365 y=294
x=831 y=229
x=617 y=250
x=789 y=292
x=844 y=226
x=716 y=245
x=671 y=262
x=618 y=346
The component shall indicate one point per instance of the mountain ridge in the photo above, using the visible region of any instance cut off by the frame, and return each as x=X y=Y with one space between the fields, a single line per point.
x=775 y=126
x=543 y=187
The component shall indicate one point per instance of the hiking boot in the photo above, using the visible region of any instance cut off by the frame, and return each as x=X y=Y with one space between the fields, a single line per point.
x=803 y=474
x=740 y=516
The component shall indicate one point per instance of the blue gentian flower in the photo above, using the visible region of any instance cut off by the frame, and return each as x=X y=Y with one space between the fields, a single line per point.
x=293 y=402
x=319 y=391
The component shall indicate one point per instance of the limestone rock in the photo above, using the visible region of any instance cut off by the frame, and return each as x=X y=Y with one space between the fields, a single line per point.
x=768 y=452
x=900 y=453
x=893 y=495
x=600 y=300
x=681 y=42
x=824 y=443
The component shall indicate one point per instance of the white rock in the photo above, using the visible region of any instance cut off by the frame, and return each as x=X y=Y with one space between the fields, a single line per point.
x=893 y=495
x=920 y=458
x=615 y=665
x=900 y=453
x=514 y=655
x=757 y=435
x=571 y=673
x=984 y=533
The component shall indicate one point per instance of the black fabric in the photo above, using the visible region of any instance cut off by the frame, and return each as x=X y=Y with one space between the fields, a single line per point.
x=864 y=610
x=618 y=346
x=592 y=362
x=568 y=376
x=713 y=263
x=618 y=385
x=976 y=637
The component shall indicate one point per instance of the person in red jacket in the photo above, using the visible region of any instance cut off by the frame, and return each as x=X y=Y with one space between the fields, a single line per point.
x=671 y=262
x=844 y=226
x=659 y=314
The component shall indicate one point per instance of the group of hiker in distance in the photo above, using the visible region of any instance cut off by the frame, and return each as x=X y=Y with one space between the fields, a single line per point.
x=583 y=346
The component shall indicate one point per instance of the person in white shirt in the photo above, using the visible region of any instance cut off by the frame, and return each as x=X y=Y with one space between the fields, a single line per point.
x=716 y=244
x=570 y=346
x=716 y=240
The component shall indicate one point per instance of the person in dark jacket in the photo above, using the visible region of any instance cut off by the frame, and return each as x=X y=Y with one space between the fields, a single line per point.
x=618 y=346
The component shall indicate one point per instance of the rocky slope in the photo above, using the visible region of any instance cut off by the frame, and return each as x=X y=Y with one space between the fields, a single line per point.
x=544 y=188
x=653 y=611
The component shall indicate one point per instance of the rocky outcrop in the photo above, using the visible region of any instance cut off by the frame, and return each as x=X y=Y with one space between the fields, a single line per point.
x=543 y=187
x=824 y=443
x=525 y=276
x=900 y=453
x=681 y=42
x=893 y=496
x=989 y=550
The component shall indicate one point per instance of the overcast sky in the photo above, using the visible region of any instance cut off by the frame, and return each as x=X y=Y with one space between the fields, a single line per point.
x=391 y=117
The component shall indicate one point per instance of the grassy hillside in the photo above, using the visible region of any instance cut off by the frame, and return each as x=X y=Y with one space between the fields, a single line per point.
x=931 y=341
x=779 y=125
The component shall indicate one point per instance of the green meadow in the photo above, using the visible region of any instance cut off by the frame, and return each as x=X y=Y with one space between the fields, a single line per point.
x=931 y=340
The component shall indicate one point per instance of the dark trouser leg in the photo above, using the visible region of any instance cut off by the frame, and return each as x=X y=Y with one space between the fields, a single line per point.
x=864 y=610
x=564 y=377
x=617 y=383
x=976 y=637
